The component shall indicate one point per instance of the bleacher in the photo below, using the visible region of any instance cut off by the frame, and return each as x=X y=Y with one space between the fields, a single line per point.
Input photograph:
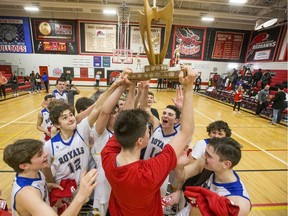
x=279 y=77
x=22 y=85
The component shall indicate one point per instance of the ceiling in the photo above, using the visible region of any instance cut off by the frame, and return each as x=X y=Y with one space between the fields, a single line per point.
x=186 y=12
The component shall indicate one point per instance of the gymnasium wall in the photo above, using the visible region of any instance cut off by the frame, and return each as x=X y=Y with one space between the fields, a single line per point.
x=82 y=48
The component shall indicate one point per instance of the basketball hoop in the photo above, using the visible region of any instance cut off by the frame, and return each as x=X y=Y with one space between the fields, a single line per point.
x=122 y=56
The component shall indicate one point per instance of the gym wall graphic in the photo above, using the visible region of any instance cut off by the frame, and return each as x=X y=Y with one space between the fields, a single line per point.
x=54 y=36
x=15 y=35
x=227 y=45
x=263 y=45
x=190 y=41
x=97 y=37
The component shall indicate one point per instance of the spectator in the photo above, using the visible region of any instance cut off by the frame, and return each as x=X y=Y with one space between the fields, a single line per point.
x=262 y=100
x=45 y=79
x=71 y=91
x=32 y=81
x=197 y=86
x=265 y=79
x=38 y=82
x=238 y=98
x=3 y=82
x=14 y=83
x=97 y=77
x=278 y=104
x=257 y=77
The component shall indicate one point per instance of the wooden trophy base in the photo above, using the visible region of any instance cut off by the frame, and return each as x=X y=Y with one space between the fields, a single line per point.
x=155 y=71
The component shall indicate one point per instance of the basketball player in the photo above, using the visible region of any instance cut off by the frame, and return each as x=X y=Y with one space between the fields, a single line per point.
x=69 y=150
x=217 y=129
x=221 y=155
x=59 y=92
x=29 y=190
x=43 y=121
x=104 y=129
x=162 y=135
x=135 y=183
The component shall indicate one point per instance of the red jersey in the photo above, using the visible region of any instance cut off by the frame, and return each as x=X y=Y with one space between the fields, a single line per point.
x=238 y=96
x=136 y=186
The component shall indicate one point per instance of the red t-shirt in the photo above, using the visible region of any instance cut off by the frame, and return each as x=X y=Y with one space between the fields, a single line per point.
x=238 y=96
x=136 y=186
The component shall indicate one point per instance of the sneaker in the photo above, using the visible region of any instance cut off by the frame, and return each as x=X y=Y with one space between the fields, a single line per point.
x=16 y=94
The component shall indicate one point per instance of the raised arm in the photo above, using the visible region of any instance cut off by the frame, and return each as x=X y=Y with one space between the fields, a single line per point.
x=98 y=104
x=107 y=108
x=181 y=140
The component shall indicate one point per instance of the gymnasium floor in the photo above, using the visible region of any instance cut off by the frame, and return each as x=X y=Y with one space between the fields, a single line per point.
x=263 y=167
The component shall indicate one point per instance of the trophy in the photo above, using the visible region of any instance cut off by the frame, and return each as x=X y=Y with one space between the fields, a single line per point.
x=156 y=68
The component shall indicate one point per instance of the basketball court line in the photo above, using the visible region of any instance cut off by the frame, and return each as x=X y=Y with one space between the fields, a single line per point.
x=20 y=118
x=253 y=144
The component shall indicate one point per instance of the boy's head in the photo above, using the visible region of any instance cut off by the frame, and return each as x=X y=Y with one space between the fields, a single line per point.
x=48 y=98
x=170 y=116
x=61 y=112
x=222 y=153
x=219 y=129
x=150 y=98
x=121 y=103
x=83 y=103
x=60 y=84
x=131 y=127
x=21 y=152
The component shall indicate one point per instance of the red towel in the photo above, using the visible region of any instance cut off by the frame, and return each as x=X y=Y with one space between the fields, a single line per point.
x=68 y=185
x=210 y=203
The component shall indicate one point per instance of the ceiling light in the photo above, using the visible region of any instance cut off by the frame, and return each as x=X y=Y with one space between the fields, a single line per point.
x=109 y=11
x=31 y=8
x=208 y=19
x=238 y=1
x=270 y=22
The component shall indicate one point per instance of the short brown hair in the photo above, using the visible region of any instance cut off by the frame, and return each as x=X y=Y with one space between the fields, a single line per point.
x=21 y=152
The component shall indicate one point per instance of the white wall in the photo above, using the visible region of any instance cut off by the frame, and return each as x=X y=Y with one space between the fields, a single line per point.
x=29 y=62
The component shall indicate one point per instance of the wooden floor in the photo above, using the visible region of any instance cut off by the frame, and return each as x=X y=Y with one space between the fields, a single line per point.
x=263 y=167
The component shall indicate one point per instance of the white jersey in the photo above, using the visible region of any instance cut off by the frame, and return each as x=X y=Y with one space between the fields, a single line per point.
x=69 y=158
x=157 y=142
x=46 y=123
x=155 y=145
x=21 y=182
x=103 y=190
x=200 y=148
x=58 y=96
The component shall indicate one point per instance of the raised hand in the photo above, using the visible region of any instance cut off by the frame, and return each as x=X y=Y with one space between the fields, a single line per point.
x=87 y=184
x=188 y=80
x=178 y=101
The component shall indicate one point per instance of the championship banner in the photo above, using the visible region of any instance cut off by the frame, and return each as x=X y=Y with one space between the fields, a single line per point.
x=189 y=42
x=283 y=48
x=55 y=36
x=263 y=44
x=136 y=43
x=15 y=35
x=97 y=38
x=227 y=45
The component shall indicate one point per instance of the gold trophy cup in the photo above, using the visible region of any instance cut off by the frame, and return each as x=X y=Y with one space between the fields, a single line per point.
x=156 y=69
